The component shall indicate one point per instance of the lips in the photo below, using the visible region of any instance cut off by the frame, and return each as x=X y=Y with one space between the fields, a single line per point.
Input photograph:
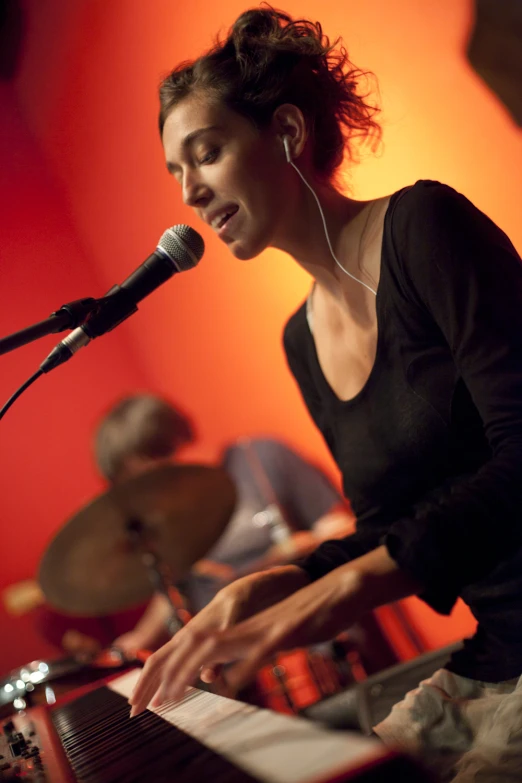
x=219 y=219
x=228 y=228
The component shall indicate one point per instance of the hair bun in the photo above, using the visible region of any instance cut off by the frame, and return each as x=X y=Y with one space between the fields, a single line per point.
x=258 y=23
x=268 y=59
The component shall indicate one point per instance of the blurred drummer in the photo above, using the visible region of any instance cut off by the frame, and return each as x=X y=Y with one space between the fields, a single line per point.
x=141 y=432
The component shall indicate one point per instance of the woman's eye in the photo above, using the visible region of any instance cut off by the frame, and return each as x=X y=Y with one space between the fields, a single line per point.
x=209 y=157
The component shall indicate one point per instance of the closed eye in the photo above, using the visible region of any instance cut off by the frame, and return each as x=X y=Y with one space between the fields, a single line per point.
x=176 y=171
x=210 y=157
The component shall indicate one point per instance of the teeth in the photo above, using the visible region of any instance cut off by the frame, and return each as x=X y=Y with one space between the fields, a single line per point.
x=217 y=221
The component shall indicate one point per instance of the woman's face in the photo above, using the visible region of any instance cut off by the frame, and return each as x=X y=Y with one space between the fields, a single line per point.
x=231 y=173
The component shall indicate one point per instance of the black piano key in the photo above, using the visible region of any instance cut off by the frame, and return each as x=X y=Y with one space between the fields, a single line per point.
x=103 y=745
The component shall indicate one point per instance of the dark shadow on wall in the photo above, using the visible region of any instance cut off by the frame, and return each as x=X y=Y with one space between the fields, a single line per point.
x=495 y=50
x=12 y=29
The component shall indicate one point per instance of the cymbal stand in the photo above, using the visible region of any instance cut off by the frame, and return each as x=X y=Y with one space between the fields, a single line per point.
x=157 y=575
x=157 y=571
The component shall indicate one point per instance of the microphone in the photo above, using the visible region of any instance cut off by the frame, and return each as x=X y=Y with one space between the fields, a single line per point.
x=179 y=248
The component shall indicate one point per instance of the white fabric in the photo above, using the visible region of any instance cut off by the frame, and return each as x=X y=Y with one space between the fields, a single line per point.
x=465 y=730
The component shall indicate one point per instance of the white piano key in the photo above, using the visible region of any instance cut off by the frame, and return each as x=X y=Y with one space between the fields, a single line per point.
x=274 y=748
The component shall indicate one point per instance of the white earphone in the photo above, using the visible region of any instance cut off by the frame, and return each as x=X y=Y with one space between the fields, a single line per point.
x=286 y=145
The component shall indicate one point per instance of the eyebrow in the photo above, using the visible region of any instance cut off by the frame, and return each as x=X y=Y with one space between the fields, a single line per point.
x=189 y=139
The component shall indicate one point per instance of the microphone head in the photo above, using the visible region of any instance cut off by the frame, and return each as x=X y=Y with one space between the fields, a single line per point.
x=183 y=245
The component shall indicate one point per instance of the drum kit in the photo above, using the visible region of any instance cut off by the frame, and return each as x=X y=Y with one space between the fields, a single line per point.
x=138 y=538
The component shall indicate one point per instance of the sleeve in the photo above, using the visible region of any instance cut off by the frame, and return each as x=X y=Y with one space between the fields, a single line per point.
x=466 y=276
x=303 y=489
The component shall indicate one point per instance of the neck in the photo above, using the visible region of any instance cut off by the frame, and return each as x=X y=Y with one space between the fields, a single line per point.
x=303 y=237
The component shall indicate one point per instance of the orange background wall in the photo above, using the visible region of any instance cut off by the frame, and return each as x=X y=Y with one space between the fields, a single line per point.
x=85 y=196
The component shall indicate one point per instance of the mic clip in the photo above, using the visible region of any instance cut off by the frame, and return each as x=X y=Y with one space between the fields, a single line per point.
x=116 y=306
x=76 y=313
x=113 y=308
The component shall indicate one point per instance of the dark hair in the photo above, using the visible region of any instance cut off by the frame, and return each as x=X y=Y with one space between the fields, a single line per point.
x=140 y=426
x=269 y=59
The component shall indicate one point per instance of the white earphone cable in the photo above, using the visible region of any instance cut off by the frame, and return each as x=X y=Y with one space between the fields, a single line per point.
x=326 y=229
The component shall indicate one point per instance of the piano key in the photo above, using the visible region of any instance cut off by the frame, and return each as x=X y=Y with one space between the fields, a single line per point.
x=272 y=747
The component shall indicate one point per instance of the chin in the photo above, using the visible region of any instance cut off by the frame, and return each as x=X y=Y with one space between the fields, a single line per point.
x=245 y=250
x=243 y=254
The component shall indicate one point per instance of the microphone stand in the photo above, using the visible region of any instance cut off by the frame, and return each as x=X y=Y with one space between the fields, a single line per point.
x=95 y=316
x=69 y=316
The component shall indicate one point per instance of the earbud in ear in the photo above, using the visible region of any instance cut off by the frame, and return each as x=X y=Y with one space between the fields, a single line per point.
x=286 y=145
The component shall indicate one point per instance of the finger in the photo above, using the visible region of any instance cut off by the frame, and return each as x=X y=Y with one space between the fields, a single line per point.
x=207 y=653
x=148 y=673
x=149 y=679
x=159 y=697
x=179 y=670
x=222 y=687
x=185 y=672
x=170 y=675
x=211 y=673
x=257 y=654
x=169 y=670
x=242 y=673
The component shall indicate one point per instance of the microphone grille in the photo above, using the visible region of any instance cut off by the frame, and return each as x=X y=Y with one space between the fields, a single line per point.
x=183 y=245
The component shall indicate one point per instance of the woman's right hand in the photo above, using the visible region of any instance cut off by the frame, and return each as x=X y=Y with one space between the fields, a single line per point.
x=236 y=602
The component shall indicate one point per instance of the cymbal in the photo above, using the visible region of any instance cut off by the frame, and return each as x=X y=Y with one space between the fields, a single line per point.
x=92 y=567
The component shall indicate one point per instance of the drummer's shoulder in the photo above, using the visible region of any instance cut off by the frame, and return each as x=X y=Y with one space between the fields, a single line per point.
x=268 y=449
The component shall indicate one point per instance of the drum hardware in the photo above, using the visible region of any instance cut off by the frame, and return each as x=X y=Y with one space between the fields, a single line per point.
x=157 y=570
x=272 y=517
x=295 y=680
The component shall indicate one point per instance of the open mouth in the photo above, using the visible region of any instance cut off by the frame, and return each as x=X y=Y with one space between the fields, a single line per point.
x=222 y=220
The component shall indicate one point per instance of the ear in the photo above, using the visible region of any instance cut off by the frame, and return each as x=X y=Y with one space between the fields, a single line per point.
x=288 y=121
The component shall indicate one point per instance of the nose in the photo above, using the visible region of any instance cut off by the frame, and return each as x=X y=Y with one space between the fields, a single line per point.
x=195 y=191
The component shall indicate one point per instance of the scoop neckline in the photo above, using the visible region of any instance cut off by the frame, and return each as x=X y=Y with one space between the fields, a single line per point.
x=380 y=332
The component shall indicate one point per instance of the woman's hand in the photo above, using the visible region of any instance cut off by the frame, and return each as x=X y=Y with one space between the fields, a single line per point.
x=309 y=614
x=182 y=659
x=220 y=634
x=303 y=618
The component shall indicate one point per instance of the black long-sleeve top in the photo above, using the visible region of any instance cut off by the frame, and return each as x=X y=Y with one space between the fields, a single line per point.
x=430 y=449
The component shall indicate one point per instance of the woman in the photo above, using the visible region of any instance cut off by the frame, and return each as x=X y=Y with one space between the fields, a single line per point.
x=408 y=353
